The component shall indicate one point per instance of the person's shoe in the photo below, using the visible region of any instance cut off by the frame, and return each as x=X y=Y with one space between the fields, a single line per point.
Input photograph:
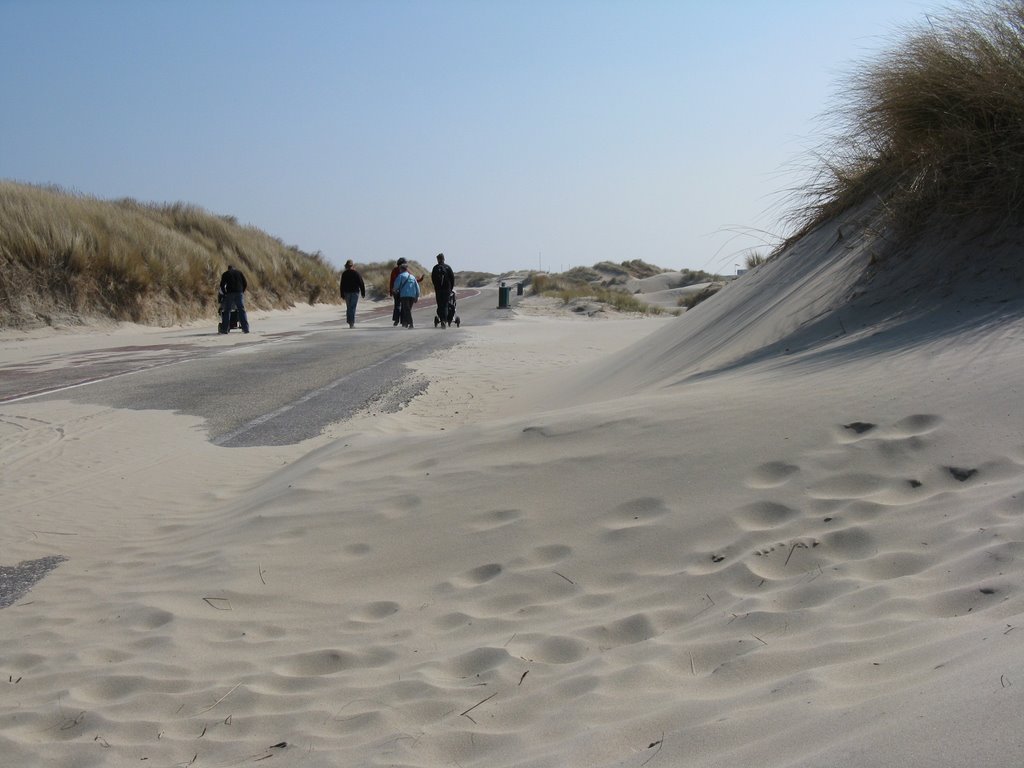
x=351 y=325
x=396 y=323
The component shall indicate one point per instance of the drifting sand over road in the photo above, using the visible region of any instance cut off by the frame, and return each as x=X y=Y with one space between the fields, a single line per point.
x=784 y=529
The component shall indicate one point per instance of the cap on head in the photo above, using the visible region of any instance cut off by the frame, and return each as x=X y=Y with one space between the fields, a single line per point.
x=348 y=263
x=401 y=261
x=440 y=257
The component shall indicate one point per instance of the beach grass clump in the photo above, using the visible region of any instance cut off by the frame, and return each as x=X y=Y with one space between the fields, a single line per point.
x=754 y=259
x=934 y=126
x=474 y=279
x=581 y=275
x=694 y=276
x=67 y=257
x=639 y=269
x=691 y=300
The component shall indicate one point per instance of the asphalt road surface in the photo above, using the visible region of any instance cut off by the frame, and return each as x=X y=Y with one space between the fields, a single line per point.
x=273 y=389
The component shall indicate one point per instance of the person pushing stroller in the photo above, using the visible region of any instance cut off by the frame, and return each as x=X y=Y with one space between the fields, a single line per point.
x=443 y=279
x=450 y=313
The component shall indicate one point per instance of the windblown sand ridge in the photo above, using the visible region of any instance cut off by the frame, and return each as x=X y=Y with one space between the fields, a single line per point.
x=677 y=550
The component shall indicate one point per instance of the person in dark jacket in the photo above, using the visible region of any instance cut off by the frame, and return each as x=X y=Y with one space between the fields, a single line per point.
x=352 y=287
x=443 y=279
x=232 y=288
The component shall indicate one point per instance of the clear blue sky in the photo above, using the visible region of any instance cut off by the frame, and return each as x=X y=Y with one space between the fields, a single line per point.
x=508 y=134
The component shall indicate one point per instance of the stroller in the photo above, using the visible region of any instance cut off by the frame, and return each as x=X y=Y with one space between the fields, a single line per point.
x=451 y=316
x=220 y=314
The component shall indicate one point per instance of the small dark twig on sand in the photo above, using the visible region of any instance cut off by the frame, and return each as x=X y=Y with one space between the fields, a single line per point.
x=218 y=701
x=659 y=744
x=706 y=607
x=796 y=545
x=463 y=714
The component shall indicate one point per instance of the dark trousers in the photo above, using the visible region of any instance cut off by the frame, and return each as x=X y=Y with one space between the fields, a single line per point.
x=351 y=300
x=397 y=314
x=407 y=302
x=234 y=301
x=442 y=305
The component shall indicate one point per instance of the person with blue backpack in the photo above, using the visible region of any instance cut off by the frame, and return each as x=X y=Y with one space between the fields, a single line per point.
x=407 y=288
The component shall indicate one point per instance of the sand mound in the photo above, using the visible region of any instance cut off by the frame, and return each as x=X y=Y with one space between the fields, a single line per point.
x=783 y=529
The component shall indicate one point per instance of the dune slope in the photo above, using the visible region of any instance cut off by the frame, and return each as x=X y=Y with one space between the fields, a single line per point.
x=784 y=529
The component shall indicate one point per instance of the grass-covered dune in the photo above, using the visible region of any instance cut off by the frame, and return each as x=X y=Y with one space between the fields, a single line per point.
x=931 y=131
x=610 y=284
x=67 y=258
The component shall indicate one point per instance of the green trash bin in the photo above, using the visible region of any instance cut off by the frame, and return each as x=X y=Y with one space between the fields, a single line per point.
x=504 y=296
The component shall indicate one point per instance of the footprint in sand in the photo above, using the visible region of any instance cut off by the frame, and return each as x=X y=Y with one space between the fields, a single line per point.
x=853 y=543
x=376 y=611
x=638 y=511
x=771 y=474
x=398 y=507
x=869 y=473
x=479 y=575
x=550 y=554
x=549 y=649
x=331 y=660
x=762 y=515
x=497 y=518
x=478 y=661
x=628 y=631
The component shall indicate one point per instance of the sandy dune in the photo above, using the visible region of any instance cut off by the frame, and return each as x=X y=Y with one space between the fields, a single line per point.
x=784 y=529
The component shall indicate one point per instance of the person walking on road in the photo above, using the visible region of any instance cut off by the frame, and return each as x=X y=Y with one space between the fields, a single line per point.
x=232 y=288
x=352 y=287
x=407 y=288
x=443 y=279
x=396 y=315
